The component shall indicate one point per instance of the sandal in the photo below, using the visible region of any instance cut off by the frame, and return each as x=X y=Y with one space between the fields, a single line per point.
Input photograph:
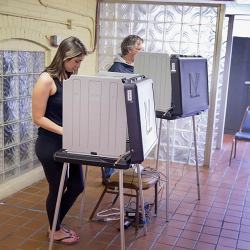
x=69 y=231
x=66 y=230
x=64 y=240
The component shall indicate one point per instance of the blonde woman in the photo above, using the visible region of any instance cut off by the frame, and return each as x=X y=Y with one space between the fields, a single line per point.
x=47 y=114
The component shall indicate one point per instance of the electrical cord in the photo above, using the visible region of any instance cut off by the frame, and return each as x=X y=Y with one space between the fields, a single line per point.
x=110 y=214
x=154 y=173
x=131 y=205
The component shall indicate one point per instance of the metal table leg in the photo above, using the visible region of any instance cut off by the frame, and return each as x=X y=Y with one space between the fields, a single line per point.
x=196 y=159
x=58 y=203
x=141 y=198
x=85 y=175
x=167 y=170
x=158 y=145
x=122 y=235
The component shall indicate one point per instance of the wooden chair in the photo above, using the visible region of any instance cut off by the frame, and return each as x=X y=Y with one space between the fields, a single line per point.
x=130 y=181
x=243 y=134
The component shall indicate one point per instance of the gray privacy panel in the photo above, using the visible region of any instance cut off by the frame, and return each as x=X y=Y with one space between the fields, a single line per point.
x=94 y=116
x=157 y=67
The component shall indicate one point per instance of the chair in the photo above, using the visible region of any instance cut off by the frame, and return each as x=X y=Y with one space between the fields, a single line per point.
x=243 y=134
x=130 y=181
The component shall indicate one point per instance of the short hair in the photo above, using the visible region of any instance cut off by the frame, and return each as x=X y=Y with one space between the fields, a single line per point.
x=128 y=43
x=69 y=48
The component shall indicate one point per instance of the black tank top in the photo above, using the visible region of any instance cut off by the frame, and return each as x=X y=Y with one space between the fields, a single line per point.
x=54 y=108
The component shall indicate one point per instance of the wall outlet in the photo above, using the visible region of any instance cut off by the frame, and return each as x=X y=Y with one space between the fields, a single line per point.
x=55 y=40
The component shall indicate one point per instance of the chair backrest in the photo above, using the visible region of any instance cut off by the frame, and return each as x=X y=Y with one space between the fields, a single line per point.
x=245 y=124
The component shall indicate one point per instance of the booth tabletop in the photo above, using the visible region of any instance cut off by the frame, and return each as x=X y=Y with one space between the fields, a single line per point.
x=92 y=160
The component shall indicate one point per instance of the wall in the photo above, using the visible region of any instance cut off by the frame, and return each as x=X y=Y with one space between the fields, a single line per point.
x=240 y=26
x=26 y=25
x=30 y=21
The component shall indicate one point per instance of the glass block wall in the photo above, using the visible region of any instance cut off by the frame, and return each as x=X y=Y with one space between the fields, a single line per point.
x=18 y=73
x=172 y=29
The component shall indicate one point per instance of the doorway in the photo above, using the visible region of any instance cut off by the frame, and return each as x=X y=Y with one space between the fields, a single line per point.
x=239 y=84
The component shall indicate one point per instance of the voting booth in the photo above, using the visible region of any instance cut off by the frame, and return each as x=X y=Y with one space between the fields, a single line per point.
x=181 y=90
x=98 y=111
x=189 y=80
x=180 y=82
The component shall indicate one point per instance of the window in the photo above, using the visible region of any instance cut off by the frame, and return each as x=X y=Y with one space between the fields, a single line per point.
x=18 y=73
x=168 y=28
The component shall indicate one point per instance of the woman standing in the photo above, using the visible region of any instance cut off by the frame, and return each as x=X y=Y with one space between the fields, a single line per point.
x=47 y=114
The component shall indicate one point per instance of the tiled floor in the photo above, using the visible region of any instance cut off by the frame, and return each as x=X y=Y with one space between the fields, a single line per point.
x=220 y=220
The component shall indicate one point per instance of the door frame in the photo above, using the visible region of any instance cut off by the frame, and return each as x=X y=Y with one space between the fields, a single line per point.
x=225 y=83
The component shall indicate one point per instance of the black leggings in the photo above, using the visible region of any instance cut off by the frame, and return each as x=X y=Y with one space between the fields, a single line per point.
x=45 y=148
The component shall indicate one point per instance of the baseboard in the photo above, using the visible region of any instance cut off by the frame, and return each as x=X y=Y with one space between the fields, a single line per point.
x=12 y=186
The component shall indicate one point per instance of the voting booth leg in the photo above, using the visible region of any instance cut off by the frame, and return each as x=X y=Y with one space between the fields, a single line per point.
x=58 y=203
x=158 y=145
x=122 y=235
x=196 y=158
x=141 y=198
x=167 y=170
x=85 y=176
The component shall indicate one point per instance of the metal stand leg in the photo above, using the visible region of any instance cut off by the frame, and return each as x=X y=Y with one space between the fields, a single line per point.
x=122 y=235
x=141 y=198
x=196 y=158
x=158 y=145
x=83 y=194
x=58 y=203
x=167 y=170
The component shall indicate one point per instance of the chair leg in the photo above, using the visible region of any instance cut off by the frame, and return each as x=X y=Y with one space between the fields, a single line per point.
x=156 y=197
x=235 y=146
x=115 y=199
x=98 y=203
x=231 y=153
x=137 y=212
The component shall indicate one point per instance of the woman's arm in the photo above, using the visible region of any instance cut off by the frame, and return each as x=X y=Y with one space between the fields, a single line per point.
x=44 y=87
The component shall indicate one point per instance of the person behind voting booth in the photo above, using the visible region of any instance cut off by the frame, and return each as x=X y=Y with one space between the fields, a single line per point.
x=124 y=63
x=47 y=114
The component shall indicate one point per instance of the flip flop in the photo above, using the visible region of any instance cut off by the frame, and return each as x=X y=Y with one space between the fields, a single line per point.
x=69 y=231
x=62 y=240
x=66 y=230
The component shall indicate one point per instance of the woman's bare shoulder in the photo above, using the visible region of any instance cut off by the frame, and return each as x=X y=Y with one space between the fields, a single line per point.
x=45 y=76
x=45 y=79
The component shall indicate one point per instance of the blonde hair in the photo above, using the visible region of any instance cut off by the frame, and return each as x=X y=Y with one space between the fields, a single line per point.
x=69 y=48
